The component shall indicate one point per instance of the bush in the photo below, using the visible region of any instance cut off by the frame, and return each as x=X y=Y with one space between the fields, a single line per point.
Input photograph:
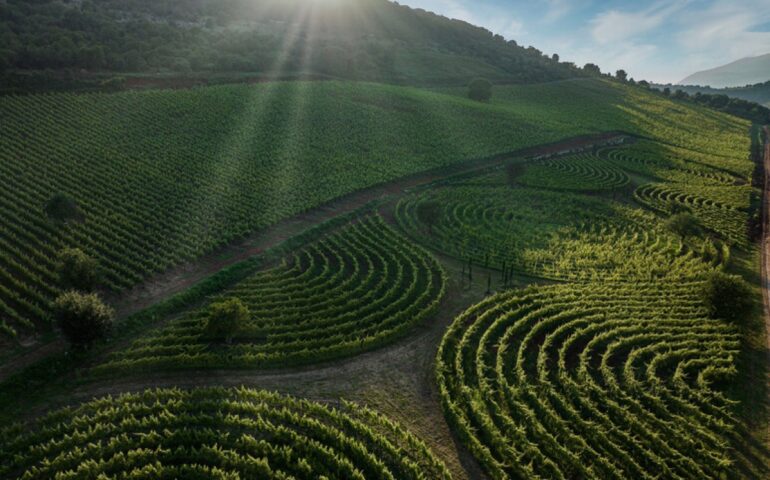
x=62 y=208
x=429 y=213
x=480 y=90
x=77 y=271
x=684 y=224
x=83 y=318
x=728 y=297
x=225 y=319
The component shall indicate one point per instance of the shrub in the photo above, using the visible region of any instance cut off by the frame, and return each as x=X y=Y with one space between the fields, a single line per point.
x=83 y=318
x=225 y=319
x=62 y=208
x=728 y=297
x=77 y=271
x=684 y=224
x=480 y=90
x=429 y=213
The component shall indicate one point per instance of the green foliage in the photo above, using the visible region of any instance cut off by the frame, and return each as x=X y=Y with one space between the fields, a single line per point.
x=82 y=318
x=62 y=208
x=77 y=271
x=215 y=433
x=548 y=234
x=429 y=213
x=214 y=37
x=480 y=90
x=251 y=156
x=728 y=297
x=225 y=319
x=684 y=224
x=356 y=289
x=592 y=380
x=578 y=172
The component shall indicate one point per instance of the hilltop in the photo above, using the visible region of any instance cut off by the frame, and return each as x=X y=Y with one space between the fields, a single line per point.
x=373 y=40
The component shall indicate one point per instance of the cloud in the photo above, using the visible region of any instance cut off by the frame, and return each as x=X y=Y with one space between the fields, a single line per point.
x=557 y=9
x=727 y=30
x=612 y=26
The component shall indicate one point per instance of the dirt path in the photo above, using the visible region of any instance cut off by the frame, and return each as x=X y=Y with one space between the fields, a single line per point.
x=179 y=278
x=396 y=380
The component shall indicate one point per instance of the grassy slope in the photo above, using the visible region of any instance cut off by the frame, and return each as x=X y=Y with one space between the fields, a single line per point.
x=166 y=176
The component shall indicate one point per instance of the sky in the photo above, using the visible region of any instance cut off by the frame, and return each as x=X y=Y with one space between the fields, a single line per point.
x=660 y=41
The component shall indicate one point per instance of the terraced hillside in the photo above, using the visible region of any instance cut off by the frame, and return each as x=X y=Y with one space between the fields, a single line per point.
x=163 y=177
x=214 y=433
x=599 y=380
x=358 y=288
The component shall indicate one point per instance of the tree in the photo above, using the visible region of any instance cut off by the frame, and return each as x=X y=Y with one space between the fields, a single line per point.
x=644 y=84
x=666 y=92
x=728 y=297
x=62 y=208
x=77 y=271
x=429 y=213
x=684 y=224
x=555 y=57
x=621 y=75
x=225 y=319
x=480 y=90
x=592 y=68
x=82 y=317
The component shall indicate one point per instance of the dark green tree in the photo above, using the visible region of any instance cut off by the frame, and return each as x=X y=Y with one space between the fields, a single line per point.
x=480 y=90
x=728 y=297
x=77 y=271
x=61 y=208
x=621 y=75
x=226 y=319
x=82 y=317
x=592 y=68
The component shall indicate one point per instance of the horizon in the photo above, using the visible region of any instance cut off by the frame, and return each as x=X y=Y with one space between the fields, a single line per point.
x=663 y=42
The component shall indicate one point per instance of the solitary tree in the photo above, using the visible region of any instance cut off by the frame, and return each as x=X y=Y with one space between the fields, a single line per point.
x=77 y=271
x=429 y=213
x=225 y=319
x=621 y=75
x=61 y=208
x=728 y=297
x=555 y=57
x=480 y=90
x=82 y=318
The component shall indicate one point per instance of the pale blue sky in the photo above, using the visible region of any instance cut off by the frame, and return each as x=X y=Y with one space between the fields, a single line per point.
x=662 y=41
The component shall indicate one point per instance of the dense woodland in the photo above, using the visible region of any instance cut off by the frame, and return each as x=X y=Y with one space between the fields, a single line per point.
x=374 y=40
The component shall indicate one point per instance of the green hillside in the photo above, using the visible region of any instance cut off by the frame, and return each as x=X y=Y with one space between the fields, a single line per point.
x=373 y=40
x=163 y=177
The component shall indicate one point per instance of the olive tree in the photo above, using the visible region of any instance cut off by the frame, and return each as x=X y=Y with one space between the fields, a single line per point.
x=82 y=317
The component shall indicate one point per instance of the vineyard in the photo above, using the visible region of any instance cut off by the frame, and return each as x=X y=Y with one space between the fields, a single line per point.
x=600 y=380
x=214 y=433
x=161 y=178
x=356 y=289
x=553 y=235
x=435 y=287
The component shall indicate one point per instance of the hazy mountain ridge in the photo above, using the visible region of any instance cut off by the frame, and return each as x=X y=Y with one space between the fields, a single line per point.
x=743 y=72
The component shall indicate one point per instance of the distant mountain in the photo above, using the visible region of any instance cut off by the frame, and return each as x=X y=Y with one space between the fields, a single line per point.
x=746 y=71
